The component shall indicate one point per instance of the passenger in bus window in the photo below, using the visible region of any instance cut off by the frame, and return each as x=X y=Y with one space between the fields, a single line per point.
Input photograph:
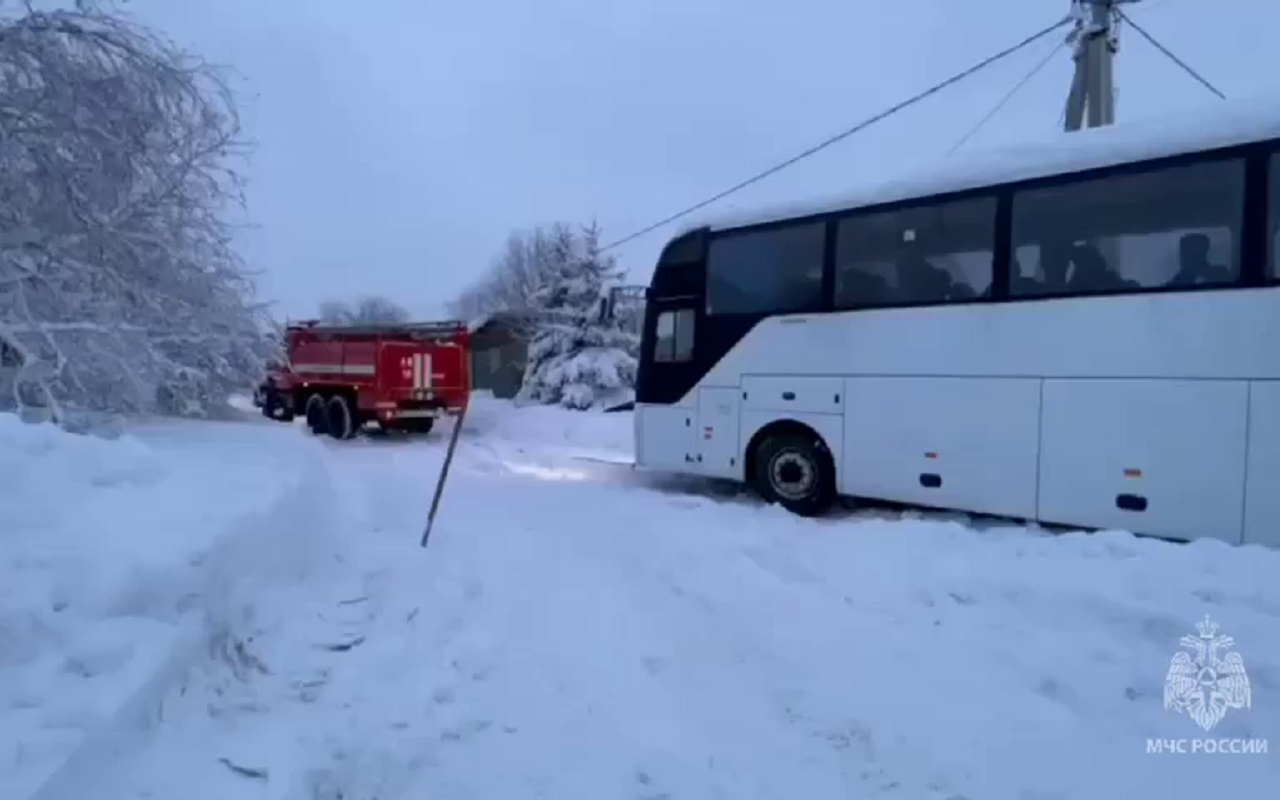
x=1194 y=266
x=1055 y=266
x=919 y=280
x=1092 y=273
x=863 y=285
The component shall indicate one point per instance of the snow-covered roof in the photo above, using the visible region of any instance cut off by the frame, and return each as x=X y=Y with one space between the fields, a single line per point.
x=1223 y=124
x=504 y=317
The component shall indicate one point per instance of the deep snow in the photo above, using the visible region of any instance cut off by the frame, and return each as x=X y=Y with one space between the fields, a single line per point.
x=102 y=548
x=580 y=630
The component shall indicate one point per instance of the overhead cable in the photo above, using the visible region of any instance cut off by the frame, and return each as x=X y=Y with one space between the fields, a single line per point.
x=842 y=135
x=1169 y=53
x=1005 y=100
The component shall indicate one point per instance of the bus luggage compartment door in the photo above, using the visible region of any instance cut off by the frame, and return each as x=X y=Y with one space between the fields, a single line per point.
x=664 y=437
x=1157 y=456
x=717 y=433
x=793 y=394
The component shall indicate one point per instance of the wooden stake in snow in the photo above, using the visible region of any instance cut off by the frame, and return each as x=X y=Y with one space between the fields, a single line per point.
x=444 y=472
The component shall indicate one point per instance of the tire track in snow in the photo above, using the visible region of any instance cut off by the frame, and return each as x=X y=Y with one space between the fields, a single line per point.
x=282 y=610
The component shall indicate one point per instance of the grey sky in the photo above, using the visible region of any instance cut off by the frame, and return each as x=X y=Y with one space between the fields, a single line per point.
x=399 y=142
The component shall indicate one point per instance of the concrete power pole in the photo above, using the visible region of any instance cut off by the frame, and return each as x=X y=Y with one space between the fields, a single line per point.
x=1093 y=91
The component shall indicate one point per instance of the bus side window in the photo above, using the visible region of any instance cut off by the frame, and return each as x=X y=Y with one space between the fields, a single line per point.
x=1273 y=273
x=942 y=252
x=673 y=341
x=1171 y=226
x=774 y=270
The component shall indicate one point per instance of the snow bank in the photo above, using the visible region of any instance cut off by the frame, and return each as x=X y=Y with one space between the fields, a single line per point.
x=499 y=423
x=102 y=545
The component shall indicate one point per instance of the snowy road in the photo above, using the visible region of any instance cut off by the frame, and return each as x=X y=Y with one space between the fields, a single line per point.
x=578 y=631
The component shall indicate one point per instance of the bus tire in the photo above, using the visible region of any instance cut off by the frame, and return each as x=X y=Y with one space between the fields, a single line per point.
x=342 y=420
x=317 y=415
x=797 y=472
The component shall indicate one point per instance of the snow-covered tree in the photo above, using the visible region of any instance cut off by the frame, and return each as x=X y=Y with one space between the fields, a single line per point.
x=518 y=275
x=370 y=310
x=120 y=289
x=579 y=357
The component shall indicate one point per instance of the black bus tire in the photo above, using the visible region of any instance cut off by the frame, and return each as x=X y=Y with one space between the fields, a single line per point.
x=797 y=472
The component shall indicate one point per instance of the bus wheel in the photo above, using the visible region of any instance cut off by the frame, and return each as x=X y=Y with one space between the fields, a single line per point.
x=317 y=415
x=342 y=423
x=796 y=472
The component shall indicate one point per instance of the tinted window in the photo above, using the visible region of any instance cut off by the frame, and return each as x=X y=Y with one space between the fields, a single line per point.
x=764 y=272
x=674 y=339
x=1177 y=226
x=1274 y=225
x=685 y=250
x=928 y=254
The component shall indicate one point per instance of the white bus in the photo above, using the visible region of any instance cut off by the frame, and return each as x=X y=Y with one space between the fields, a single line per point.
x=1084 y=334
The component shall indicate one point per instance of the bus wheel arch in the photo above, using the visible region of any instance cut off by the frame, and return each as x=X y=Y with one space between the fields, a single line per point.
x=789 y=463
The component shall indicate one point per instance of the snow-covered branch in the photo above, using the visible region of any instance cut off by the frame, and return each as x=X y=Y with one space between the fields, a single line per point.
x=119 y=285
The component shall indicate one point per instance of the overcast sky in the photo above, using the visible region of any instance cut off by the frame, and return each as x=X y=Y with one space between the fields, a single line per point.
x=399 y=142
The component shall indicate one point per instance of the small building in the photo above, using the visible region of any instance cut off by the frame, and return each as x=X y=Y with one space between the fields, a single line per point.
x=499 y=350
x=500 y=341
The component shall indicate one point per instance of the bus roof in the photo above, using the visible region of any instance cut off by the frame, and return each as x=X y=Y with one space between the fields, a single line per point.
x=1223 y=124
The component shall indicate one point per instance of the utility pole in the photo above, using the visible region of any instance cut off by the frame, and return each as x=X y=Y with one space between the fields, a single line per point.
x=1093 y=91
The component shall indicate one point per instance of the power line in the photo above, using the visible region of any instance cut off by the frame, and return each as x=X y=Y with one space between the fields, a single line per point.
x=840 y=136
x=1166 y=51
x=1005 y=100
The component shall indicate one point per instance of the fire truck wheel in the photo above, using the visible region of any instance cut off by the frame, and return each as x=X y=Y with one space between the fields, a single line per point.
x=342 y=424
x=317 y=415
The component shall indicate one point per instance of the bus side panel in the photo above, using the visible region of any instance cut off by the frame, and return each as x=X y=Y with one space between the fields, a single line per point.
x=1163 y=457
x=1262 y=509
x=717 y=433
x=968 y=443
x=664 y=438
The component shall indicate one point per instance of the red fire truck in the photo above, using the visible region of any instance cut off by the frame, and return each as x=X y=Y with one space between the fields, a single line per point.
x=342 y=377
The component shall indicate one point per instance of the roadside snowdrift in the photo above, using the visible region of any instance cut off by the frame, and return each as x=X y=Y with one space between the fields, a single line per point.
x=109 y=560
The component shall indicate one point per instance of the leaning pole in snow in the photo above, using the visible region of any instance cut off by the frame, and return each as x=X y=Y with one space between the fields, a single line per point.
x=444 y=471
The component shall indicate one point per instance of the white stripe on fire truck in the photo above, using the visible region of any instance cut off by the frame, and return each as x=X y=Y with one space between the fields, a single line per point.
x=426 y=370
x=336 y=369
x=417 y=370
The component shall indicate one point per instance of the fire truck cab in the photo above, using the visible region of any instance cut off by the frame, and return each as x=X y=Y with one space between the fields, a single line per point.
x=401 y=377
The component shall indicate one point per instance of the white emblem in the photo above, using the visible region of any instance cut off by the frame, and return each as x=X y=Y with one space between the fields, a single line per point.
x=1207 y=681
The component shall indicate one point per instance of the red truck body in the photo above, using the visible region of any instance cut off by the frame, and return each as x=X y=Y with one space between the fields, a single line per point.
x=344 y=377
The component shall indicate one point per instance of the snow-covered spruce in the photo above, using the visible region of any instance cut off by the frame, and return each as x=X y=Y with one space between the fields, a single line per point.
x=578 y=357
